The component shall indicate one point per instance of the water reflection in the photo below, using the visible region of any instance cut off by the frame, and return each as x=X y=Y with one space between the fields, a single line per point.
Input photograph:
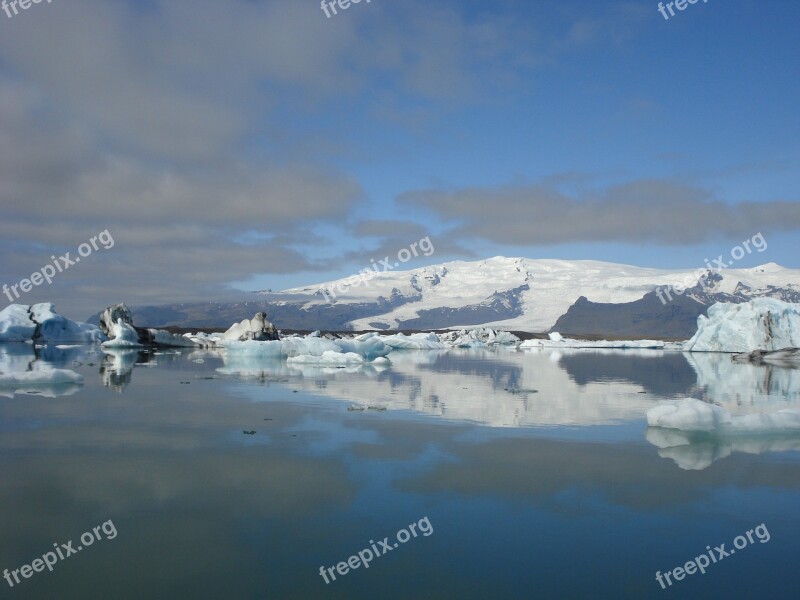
x=696 y=451
x=499 y=388
x=28 y=370
x=206 y=512
x=744 y=388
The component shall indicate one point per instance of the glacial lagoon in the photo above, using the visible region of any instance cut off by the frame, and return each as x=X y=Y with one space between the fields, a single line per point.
x=235 y=477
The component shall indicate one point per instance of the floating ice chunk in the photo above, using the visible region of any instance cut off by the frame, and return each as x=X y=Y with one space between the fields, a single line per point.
x=370 y=347
x=693 y=415
x=761 y=324
x=315 y=346
x=258 y=328
x=164 y=338
x=563 y=342
x=252 y=348
x=415 y=341
x=328 y=358
x=41 y=324
x=122 y=335
x=16 y=324
x=479 y=337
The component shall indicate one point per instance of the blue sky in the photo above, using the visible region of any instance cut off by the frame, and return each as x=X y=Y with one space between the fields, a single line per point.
x=247 y=144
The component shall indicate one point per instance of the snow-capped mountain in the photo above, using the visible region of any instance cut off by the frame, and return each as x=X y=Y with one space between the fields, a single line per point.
x=518 y=294
x=531 y=295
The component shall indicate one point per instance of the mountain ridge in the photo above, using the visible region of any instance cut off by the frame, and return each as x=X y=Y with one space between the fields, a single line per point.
x=516 y=293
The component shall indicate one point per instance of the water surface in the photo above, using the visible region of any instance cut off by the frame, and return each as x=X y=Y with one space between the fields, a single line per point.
x=536 y=471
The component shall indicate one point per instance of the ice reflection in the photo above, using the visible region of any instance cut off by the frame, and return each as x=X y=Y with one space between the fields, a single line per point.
x=24 y=371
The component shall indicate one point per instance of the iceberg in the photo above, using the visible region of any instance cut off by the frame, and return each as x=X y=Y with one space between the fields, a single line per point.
x=122 y=335
x=117 y=323
x=761 y=324
x=39 y=323
x=328 y=357
x=415 y=341
x=16 y=324
x=556 y=340
x=695 y=416
x=369 y=345
x=480 y=337
x=258 y=328
x=368 y=348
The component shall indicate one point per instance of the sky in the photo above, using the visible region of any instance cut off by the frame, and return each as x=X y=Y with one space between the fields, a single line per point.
x=237 y=145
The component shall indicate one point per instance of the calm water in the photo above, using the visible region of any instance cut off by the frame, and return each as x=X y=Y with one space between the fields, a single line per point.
x=536 y=473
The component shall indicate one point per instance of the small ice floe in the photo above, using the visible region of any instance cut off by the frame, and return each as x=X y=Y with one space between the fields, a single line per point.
x=693 y=415
x=329 y=357
x=556 y=340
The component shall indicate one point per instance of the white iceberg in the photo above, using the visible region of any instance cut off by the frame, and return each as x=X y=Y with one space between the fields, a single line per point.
x=695 y=416
x=761 y=324
x=328 y=357
x=556 y=340
x=117 y=323
x=122 y=335
x=415 y=341
x=161 y=337
x=16 y=324
x=478 y=338
x=258 y=328
x=41 y=324
x=369 y=345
